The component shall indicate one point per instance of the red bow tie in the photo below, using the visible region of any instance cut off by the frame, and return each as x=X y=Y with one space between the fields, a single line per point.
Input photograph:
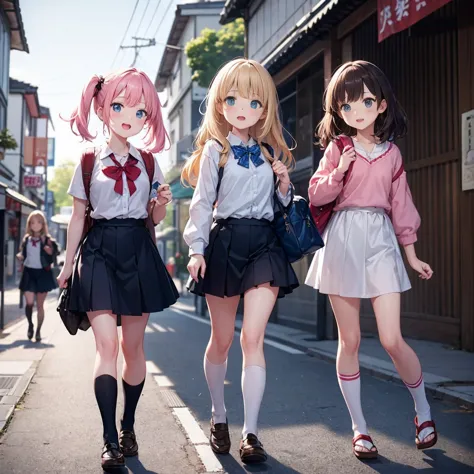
x=132 y=172
x=35 y=242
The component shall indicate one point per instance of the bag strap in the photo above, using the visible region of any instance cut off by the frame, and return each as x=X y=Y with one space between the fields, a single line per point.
x=87 y=167
x=149 y=161
x=398 y=173
x=342 y=141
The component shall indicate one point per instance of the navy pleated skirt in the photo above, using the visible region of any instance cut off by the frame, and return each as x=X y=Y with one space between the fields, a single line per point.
x=37 y=280
x=243 y=254
x=120 y=270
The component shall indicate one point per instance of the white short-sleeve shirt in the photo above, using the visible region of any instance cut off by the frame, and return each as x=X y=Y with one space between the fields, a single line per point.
x=108 y=204
x=33 y=254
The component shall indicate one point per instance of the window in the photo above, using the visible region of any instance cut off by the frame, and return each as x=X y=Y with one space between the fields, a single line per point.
x=287 y=96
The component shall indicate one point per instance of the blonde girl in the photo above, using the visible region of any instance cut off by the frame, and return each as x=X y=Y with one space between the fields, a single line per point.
x=38 y=251
x=233 y=248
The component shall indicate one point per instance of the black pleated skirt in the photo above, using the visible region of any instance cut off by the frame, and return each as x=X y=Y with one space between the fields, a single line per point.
x=37 y=280
x=119 y=269
x=242 y=254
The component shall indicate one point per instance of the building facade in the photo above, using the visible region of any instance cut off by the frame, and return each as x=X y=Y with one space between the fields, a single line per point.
x=301 y=43
x=184 y=98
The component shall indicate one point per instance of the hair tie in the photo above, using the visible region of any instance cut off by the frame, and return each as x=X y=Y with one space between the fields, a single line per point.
x=98 y=86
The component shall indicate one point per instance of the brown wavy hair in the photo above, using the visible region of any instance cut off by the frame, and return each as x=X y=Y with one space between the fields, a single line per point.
x=347 y=85
x=251 y=79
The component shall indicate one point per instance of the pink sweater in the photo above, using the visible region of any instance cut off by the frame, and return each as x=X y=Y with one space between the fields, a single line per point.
x=369 y=185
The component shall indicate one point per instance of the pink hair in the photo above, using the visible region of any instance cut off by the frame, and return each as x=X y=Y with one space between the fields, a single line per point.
x=136 y=84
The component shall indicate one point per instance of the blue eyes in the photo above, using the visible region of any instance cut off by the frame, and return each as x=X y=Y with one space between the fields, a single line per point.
x=368 y=103
x=255 y=104
x=117 y=108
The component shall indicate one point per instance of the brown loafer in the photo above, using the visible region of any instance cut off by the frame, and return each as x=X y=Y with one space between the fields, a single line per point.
x=251 y=450
x=128 y=443
x=220 y=438
x=112 y=457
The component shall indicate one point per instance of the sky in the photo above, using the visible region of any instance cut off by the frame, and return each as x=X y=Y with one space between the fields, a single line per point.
x=70 y=41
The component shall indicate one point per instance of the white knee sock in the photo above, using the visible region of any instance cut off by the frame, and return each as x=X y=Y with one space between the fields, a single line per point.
x=350 y=388
x=422 y=406
x=215 y=376
x=253 y=386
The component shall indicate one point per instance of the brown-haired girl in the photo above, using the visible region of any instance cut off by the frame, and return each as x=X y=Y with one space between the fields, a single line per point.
x=37 y=253
x=373 y=210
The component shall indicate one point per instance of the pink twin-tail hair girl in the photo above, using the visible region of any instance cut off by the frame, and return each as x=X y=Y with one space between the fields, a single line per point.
x=102 y=92
x=118 y=277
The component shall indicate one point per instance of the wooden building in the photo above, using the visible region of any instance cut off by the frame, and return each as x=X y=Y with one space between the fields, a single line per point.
x=431 y=68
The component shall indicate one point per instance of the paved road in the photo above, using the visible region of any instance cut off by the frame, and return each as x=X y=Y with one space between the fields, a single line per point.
x=304 y=423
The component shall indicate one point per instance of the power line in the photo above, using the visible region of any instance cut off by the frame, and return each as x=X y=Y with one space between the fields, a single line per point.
x=153 y=17
x=143 y=16
x=163 y=18
x=125 y=34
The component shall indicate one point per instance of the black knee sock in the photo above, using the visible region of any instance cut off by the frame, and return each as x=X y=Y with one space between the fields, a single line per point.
x=105 y=388
x=131 y=395
x=29 y=313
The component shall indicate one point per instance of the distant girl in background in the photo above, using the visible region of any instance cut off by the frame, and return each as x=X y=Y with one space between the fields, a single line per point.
x=118 y=276
x=373 y=210
x=233 y=248
x=38 y=252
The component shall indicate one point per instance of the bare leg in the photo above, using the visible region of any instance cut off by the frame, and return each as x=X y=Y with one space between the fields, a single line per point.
x=387 y=313
x=104 y=326
x=134 y=367
x=258 y=305
x=346 y=311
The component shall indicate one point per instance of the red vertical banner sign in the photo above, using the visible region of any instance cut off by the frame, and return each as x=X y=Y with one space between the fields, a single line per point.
x=35 y=151
x=397 y=15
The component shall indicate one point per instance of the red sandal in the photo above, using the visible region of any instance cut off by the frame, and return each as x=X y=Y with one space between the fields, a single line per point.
x=364 y=454
x=420 y=428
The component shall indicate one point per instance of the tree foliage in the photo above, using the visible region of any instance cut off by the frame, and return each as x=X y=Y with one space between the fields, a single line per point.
x=60 y=184
x=208 y=52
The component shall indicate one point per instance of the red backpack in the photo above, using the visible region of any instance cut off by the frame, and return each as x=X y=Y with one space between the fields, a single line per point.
x=322 y=214
x=87 y=165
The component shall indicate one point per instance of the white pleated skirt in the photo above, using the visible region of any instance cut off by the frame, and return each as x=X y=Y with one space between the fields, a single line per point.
x=361 y=257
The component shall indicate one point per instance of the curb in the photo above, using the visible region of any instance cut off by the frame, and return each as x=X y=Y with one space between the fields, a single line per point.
x=8 y=403
x=439 y=392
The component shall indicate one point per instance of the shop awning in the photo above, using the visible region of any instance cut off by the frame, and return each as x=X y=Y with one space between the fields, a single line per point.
x=61 y=219
x=16 y=196
x=181 y=192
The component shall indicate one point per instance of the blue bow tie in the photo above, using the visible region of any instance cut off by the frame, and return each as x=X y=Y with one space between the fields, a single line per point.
x=243 y=153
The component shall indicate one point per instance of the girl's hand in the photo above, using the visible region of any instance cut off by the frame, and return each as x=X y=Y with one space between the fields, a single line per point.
x=164 y=195
x=20 y=257
x=64 y=275
x=347 y=157
x=424 y=270
x=197 y=265
x=48 y=249
x=281 y=171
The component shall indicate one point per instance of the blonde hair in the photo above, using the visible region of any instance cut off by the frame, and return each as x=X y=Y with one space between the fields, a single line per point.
x=44 y=230
x=252 y=80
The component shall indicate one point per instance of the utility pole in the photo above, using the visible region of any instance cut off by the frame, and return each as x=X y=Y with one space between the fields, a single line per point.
x=150 y=42
x=137 y=46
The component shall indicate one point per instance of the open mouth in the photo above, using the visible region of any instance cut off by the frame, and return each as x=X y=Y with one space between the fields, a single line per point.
x=126 y=126
x=240 y=117
x=359 y=120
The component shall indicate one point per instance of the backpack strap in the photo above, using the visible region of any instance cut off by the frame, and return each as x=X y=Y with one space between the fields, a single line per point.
x=87 y=167
x=342 y=141
x=398 y=173
x=149 y=161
